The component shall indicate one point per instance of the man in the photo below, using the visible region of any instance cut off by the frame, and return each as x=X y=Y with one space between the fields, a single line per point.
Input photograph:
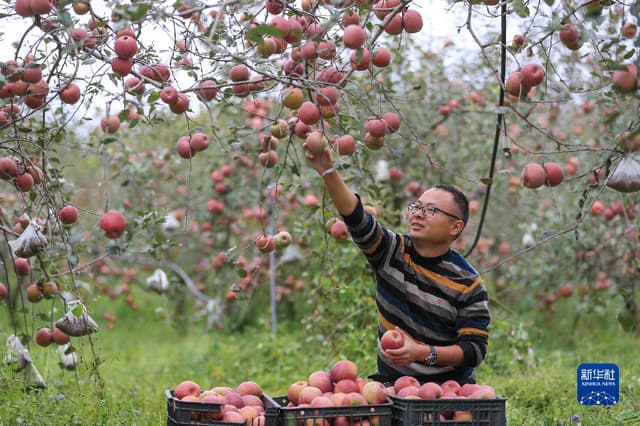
x=425 y=289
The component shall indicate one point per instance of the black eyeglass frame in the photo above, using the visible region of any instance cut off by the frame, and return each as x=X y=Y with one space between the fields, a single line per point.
x=429 y=210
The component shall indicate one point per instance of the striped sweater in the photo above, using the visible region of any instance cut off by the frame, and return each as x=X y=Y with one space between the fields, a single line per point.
x=439 y=301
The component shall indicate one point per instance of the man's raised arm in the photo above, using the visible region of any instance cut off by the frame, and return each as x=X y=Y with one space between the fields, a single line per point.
x=342 y=197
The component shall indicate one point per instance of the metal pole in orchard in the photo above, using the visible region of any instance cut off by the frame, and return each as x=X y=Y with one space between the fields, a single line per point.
x=272 y=255
x=272 y=270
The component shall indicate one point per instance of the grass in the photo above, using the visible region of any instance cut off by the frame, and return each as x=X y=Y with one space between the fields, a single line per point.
x=143 y=355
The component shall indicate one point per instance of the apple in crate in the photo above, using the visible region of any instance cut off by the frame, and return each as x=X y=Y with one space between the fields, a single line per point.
x=430 y=390
x=249 y=388
x=249 y=413
x=346 y=386
x=468 y=388
x=483 y=392
x=354 y=398
x=293 y=392
x=232 y=416
x=404 y=381
x=252 y=400
x=186 y=387
x=222 y=390
x=337 y=398
x=307 y=394
x=343 y=369
x=462 y=416
x=410 y=392
x=374 y=392
x=235 y=399
x=322 y=380
x=322 y=401
x=214 y=399
x=451 y=386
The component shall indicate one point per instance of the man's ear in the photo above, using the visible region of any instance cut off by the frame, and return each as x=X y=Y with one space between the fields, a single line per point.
x=457 y=228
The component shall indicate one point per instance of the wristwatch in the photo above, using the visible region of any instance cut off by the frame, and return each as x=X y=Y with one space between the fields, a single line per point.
x=432 y=358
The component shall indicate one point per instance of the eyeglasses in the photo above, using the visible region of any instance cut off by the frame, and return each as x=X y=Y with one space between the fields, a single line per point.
x=428 y=210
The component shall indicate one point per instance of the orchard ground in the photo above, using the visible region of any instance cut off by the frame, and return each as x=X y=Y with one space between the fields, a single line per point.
x=142 y=356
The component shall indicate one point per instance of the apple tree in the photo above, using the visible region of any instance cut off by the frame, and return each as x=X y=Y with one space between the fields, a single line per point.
x=194 y=181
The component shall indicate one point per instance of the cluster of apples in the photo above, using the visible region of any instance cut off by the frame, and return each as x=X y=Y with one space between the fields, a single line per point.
x=269 y=243
x=340 y=386
x=534 y=175
x=242 y=404
x=408 y=387
x=519 y=83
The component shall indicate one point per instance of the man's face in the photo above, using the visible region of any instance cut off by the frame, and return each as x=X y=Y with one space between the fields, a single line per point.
x=435 y=217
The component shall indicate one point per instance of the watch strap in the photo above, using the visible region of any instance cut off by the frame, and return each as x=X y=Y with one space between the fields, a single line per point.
x=432 y=358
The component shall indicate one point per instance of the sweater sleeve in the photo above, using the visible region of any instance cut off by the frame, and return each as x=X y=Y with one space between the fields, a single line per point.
x=370 y=237
x=473 y=325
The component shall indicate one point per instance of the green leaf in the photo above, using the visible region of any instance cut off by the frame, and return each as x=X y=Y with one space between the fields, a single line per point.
x=153 y=96
x=109 y=140
x=64 y=18
x=520 y=8
x=241 y=271
x=256 y=34
x=612 y=65
x=138 y=13
x=486 y=180
x=43 y=316
x=77 y=311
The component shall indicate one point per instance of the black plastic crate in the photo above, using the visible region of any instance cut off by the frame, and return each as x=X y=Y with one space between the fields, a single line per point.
x=195 y=413
x=370 y=414
x=419 y=412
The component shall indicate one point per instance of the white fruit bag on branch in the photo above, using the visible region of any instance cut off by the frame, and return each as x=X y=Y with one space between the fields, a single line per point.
x=626 y=177
x=158 y=281
x=16 y=354
x=170 y=224
x=30 y=242
x=19 y=356
x=77 y=321
x=68 y=357
x=32 y=377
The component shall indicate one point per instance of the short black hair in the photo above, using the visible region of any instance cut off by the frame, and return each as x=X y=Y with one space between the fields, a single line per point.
x=459 y=199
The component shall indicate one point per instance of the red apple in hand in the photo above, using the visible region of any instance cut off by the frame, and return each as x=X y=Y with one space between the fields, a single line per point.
x=392 y=339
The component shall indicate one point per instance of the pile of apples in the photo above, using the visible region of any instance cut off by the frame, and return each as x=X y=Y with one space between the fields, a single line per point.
x=242 y=404
x=340 y=386
x=409 y=388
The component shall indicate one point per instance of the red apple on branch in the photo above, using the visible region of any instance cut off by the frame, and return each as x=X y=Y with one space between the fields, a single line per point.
x=113 y=223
